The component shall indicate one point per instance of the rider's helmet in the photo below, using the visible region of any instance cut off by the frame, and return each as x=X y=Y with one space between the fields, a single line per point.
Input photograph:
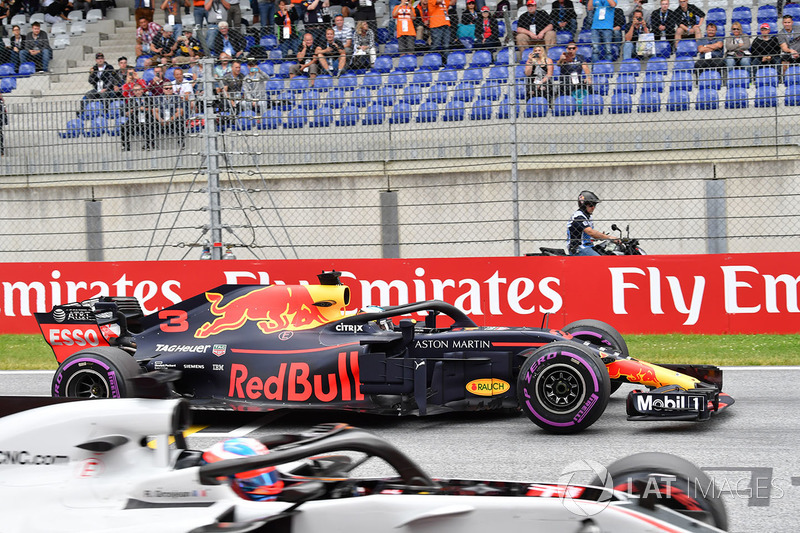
x=587 y=197
x=261 y=484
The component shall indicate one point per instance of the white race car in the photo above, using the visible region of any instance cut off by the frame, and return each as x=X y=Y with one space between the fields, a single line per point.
x=122 y=465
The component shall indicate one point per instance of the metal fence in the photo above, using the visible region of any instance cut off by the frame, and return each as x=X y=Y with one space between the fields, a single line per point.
x=424 y=162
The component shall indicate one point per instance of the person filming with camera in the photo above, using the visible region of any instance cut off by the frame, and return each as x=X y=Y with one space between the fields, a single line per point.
x=637 y=27
x=539 y=74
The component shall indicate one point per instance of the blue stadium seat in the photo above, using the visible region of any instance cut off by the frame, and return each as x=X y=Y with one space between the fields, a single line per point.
x=286 y=100
x=423 y=78
x=348 y=81
x=396 y=79
x=438 y=93
x=625 y=83
x=391 y=49
x=473 y=75
x=464 y=92
x=95 y=127
x=792 y=97
x=310 y=100
x=766 y=76
x=501 y=28
x=630 y=66
x=738 y=77
x=383 y=36
x=650 y=102
x=498 y=74
x=792 y=76
x=74 y=127
x=467 y=42
x=275 y=86
x=793 y=10
x=766 y=96
x=374 y=115
x=141 y=61
x=275 y=55
x=296 y=118
x=283 y=70
x=337 y=98
x=93 y=108
x=7 y=70
x=480 y=59
x=663 y=49
x=767 y=13
x=246 y=121
x=401 y=114
x=736 y=98
x=298 y=84
x=428 y=112
x=605 y=68
x=502 y=57
x=481 y=110
x=323 y=117
x=148 y=75
x=361 y=97
x=653 y=82
x=564 y=37
x=621 y=103
x=717 y=15
x=448 y=76
x=746 y=28
x=600 y=84
x=584 y=37
x=555 y=52
x=431 y=61
x=742 y=15
x=504 y=109
x=115 y=108
x=707 y=99
x=270 y=42
x=383 y=65
x=686 y=48
x=456 y=60
x=709 y=79
x=536 y=107
x=372 y=80
x=490 y=91
x=564 y=106
x=681 y=81
x=249 y=42
x=592 y=105
x=657 y=64
x=683 y=64
x=323 y=82
x=348 y=116
x=525 y=54
x=678 y=101
x=454 y=111
x=26 y=69
x=386 y=96
x=412 y=95
x=407 y=63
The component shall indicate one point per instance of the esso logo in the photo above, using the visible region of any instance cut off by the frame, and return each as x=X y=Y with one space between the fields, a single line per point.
x=74 y=337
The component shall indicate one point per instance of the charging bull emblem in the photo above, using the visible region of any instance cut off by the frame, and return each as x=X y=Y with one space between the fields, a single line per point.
x=275 y=308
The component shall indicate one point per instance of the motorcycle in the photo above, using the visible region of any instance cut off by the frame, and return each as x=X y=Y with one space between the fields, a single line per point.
x=625 y=246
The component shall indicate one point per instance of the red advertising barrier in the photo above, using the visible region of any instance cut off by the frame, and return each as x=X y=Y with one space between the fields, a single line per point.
x=736 y=293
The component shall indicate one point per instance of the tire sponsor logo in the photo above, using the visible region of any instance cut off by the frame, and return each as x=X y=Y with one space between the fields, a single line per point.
x=488 y=387
x=24 y=457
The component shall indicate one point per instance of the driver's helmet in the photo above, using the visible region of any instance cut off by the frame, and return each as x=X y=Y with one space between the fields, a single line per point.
x=587 y=196
x=261 y=484
x=383 y=323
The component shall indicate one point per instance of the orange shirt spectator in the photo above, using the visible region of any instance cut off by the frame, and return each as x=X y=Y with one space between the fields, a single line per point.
x=404 y=14
x=437 y=10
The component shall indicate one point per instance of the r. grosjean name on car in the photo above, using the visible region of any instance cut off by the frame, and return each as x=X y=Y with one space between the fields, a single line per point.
x=174 y=494
x=23 y=457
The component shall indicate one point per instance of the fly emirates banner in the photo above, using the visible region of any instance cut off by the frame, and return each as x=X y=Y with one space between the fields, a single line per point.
x=735 y=293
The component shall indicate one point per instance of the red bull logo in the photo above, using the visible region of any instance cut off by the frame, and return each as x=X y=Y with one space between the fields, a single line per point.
x=634 y=371
x=276 y=308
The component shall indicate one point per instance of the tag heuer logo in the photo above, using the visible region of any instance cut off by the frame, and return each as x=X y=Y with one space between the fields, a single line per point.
x=219 y=349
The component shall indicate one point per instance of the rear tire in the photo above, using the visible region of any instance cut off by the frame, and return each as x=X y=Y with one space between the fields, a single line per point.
x=600 y=334
x=686 y=487
x=563 y=387
x=102 y=372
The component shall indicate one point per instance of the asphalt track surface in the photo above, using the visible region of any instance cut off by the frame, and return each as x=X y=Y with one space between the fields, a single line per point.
x=751 y=451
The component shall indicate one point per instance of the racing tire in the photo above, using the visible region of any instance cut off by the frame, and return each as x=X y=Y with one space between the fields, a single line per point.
x=684 y=487
x=602 y=334
x=563 y=387
x=102 y=372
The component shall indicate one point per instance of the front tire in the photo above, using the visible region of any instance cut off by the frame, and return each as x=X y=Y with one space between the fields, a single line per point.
x=673 y=482
x=600 y=334
x=563 y=387
x=102 y=372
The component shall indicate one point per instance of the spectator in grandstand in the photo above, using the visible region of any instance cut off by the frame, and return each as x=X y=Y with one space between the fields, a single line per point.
x=539 y=74
x=217 y=12
x=132 y=80
x=181 y=86
x=619 y=27
x=564 y=18
x=164 y=45
x=332 y=57
x=637 y=27
x=737 y=47
x=789 y=39
x=471 y=15
x=199 y=12
x=422 y=22
x=234 y=18
x=103 y=79
x=307 y=60
x=689 y=21
x=145 y=33
x=285 y=19
x=535 y=27
x=439 y=25
x=580 y=228
x=254 y=88
x=662 y=22
x=187 y=48
x=266 y=16
x=156 y=85
x=403 y=13
x=231 y=94
x=575 y=73
x=57 y=11
x=4 y=18
x=503 y=7
x=313 y=21
x=139 y=112
x=172 y=15
x=37 y=48
x=343 y=33
x=711 y=50
x=487 y=32
x=365 y=11
x=229 y=41
x=364 y=49
x=169 y=114
x=765 y=49
x=602 y=27
x=144 y=9
x=15 y=48
x=83 y=6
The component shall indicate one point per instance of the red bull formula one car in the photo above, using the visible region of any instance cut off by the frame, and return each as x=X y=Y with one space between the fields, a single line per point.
x=251 y=347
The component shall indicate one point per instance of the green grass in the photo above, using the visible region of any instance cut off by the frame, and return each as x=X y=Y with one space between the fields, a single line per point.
x=30 y=352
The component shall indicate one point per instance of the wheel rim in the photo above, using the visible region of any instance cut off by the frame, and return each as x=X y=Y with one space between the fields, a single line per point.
x=560 y=389
x=87 y=384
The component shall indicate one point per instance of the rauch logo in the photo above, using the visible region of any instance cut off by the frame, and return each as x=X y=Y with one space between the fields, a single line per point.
x=488 y=387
